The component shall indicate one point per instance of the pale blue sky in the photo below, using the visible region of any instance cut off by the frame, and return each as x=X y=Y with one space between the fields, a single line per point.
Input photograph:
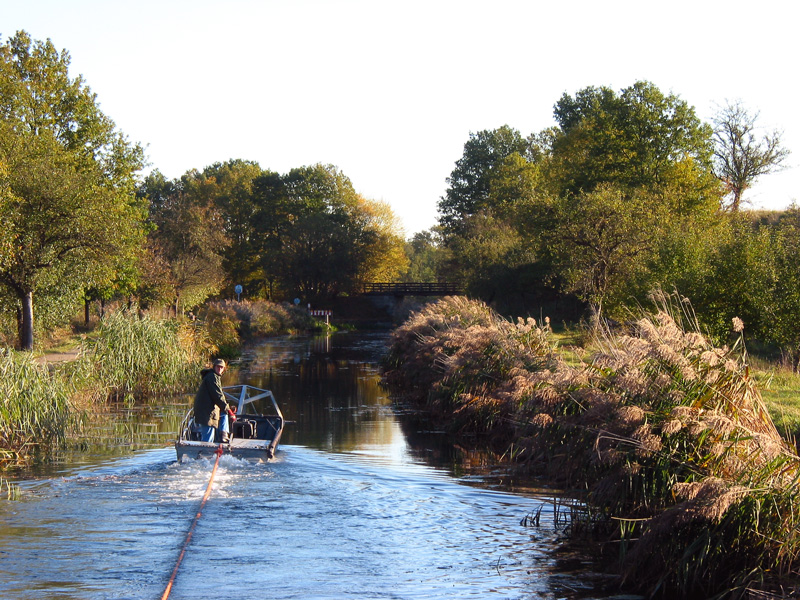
x=390 y=91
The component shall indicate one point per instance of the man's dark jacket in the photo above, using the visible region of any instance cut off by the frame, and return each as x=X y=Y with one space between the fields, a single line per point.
x=209 y=400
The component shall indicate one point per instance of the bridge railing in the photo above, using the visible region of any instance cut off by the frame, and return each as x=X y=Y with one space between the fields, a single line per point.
x=412 y=289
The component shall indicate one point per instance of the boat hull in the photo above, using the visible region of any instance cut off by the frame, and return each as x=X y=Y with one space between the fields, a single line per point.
x=257 y=450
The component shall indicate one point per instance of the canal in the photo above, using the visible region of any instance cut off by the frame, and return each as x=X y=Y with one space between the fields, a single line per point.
x=360 y=503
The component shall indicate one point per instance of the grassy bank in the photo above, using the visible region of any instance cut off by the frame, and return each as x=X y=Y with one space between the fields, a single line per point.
x=125 y=358
x=664 y=436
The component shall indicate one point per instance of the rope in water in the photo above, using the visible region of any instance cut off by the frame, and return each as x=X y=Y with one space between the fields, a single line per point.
x=194 y=523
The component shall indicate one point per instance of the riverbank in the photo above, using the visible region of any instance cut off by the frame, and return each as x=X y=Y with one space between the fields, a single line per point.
x=126 y=356
x=665 y=437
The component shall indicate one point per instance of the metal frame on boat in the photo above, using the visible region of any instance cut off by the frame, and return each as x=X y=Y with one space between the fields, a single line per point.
x=253 y=436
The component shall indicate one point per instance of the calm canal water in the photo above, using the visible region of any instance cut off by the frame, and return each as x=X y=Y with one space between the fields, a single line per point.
x=358 y=504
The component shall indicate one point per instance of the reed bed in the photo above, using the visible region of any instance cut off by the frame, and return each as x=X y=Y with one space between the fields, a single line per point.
x=453 y=357
x=135 y=358
x=664 y=435
x=43 y=407
x=36 y=410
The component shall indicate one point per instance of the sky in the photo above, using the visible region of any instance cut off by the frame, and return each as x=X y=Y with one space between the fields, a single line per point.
x=389 y=92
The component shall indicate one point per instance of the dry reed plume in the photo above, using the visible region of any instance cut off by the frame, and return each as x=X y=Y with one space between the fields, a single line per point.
x=667 y=434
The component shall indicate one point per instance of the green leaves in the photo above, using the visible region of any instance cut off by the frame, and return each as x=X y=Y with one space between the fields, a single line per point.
x=632 y=138
x=319 y=237
x=67 y=178
x=471 y=183
x=603 y=241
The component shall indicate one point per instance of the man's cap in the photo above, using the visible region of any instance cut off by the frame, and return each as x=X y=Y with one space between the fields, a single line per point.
x=219 y=363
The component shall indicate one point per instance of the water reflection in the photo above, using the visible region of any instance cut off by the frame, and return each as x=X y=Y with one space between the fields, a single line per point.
x=360 y=496
x=328 y=387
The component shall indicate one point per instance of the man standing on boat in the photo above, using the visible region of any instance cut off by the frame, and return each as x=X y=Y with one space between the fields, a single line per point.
x=210 y=408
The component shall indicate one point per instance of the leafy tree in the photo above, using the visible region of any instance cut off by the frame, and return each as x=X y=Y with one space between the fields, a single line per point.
x=513 y=181
x=229 y=186
x=155 y=283
x=739 y=157
x=470 y=183
x=778 y=315
x=384 y=257
x=305 y=225
x=426 y=257
x=320 y=238
x=189 y=236
x=67 y=179
x=603 y=242
x=272 y=222
x=637 y=138
x=486 y=248
x=739 y=278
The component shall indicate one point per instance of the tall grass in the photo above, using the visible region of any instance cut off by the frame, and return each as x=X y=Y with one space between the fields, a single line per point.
x=127 y=358
x=455 y=356
x=36 y=410
x=663 y=434
x=134 y=358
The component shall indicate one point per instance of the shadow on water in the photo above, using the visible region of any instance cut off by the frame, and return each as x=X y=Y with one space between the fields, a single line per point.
x=371 y=505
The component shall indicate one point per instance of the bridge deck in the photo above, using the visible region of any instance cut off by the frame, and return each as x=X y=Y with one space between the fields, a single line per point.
x=412 y=289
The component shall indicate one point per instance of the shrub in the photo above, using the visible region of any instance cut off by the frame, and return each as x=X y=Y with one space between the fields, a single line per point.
x=222 y=326
x=258 y=318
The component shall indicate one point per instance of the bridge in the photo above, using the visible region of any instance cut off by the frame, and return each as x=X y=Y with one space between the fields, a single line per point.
x=412 y=289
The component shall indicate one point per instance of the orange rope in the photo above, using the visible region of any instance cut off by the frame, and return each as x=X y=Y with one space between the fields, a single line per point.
x=191 y=529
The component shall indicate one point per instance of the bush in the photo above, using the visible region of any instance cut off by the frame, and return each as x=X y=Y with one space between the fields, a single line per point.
x=222 y=326
x=254 y=319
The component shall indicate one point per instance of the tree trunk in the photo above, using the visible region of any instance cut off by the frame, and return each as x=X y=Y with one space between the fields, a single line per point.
x=86 y=304
x=19 y=325
x=26 y=326
x=737 y=200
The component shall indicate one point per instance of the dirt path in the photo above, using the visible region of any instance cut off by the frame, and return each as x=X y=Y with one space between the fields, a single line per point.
x=58 y=357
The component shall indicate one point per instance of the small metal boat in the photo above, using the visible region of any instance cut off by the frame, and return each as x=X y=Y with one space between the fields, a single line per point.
x=255 y=433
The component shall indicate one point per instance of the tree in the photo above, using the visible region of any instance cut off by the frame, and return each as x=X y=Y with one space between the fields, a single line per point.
x=513 y=181
x=638 y=138
x=304 y=222
x=319 y=237
x=66 y=197
x=740 y=158
x=470 y=183
x=781 y=314
x=426 y=256
x=487 y=248
x=603 y=241
x=384 y=257
x=229 y=186
x=189 y=236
